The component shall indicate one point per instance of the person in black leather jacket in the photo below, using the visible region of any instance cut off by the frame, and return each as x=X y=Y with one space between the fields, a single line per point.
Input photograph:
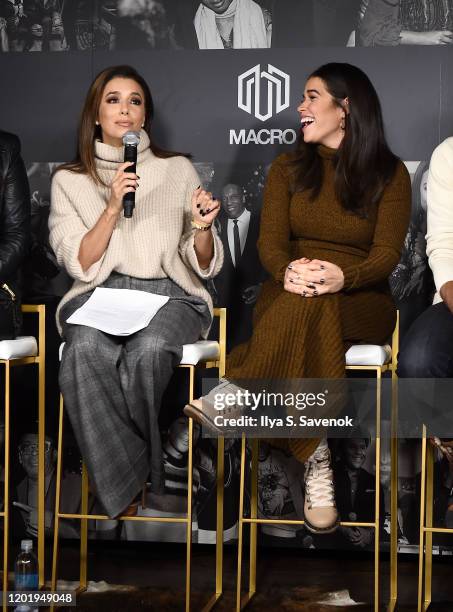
x=14 y=210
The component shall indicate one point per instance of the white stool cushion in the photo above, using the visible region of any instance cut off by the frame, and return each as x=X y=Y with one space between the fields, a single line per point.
x=368 y=354
x=22 y=346
x=203 y=350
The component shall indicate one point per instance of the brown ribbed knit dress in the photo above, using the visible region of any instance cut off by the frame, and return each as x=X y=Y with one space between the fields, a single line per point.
x=296 y=337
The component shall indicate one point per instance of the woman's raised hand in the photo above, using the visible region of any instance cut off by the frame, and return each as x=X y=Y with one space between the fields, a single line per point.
x=313 y=277
x=205 y=207
x=123 y=182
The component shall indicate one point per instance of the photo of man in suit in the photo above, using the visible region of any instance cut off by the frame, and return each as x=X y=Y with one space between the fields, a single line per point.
x=355 y=491
x=238 y=284
x=26 y=493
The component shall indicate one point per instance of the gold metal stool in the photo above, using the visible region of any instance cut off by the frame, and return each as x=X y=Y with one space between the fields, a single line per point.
x=8 y=363
x=425 y=553
x=254 y=521
x=216 y=360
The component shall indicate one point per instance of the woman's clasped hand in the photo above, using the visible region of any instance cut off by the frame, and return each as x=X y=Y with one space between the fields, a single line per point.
x=313 y=277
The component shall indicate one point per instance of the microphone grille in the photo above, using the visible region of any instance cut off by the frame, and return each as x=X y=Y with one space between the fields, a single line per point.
x=131 y=138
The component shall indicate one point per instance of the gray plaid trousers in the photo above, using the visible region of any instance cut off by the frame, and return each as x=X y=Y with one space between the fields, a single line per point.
x=112 y=388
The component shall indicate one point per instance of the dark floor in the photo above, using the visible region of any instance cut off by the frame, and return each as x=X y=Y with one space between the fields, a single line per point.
x=287 y=579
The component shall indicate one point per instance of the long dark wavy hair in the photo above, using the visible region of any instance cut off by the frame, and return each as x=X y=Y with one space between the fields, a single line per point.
x=84 y=161
x=364 y=162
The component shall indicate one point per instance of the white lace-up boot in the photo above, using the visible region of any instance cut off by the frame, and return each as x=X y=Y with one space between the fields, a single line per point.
x=320 y=511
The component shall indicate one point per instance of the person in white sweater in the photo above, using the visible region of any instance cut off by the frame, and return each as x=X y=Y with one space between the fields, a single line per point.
x=232 y=24
x=112 y=386
x=427 y=348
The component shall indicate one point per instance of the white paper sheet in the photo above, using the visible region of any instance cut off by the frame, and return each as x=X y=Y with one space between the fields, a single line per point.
x=120 y=312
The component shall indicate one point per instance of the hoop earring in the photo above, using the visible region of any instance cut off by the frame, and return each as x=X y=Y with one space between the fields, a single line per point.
x=97 y=122
x=342 y=123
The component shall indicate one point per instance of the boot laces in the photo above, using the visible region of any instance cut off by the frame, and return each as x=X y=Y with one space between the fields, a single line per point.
x=319 y=480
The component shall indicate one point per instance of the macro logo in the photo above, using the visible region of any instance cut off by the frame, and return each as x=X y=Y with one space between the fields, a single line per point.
x=263 y=93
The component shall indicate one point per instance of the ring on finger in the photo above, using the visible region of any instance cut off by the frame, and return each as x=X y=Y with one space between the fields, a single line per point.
x=315 y=292
x=311 y=286
x=304 y=293
x=322 y=281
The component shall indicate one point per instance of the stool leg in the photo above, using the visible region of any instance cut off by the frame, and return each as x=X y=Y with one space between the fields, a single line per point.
x=240 y=525
x=220 y=467
x=421 y=550
x=84 y=531
x=429 y=523
x=219 y=526
x=253 y=515
x=41 y=468
x=189 y=494
x=189 y=517
x=57 y=498
x=6 y=489
x=378 y=487
x=393 y=524
x=394 y=496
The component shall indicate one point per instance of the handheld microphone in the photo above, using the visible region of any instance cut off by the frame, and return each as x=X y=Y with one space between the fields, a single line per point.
x=130 y=141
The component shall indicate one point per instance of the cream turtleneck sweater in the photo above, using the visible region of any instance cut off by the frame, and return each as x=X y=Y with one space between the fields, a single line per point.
x=158 y=241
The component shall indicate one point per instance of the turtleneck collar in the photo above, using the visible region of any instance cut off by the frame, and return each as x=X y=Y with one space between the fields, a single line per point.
x=326 y=152
x=108 y=157
x=230 y=12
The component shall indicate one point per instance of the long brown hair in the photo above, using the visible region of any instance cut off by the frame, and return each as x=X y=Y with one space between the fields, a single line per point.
x=84 y=161
x=364 y=162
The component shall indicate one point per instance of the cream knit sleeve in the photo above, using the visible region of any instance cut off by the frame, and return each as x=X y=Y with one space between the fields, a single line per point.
x=439 y=239
x=186 y=244
x=66 y=228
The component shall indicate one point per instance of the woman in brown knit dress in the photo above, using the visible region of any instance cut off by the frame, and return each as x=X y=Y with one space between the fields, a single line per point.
x=335 y=215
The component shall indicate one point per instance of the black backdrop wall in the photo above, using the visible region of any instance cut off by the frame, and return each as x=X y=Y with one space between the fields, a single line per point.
x=234 y=110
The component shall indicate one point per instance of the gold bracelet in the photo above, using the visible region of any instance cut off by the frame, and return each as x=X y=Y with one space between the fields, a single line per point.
x=199 y=225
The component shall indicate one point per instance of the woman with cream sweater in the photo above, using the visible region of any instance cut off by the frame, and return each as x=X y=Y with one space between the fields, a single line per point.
x=112 y=386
